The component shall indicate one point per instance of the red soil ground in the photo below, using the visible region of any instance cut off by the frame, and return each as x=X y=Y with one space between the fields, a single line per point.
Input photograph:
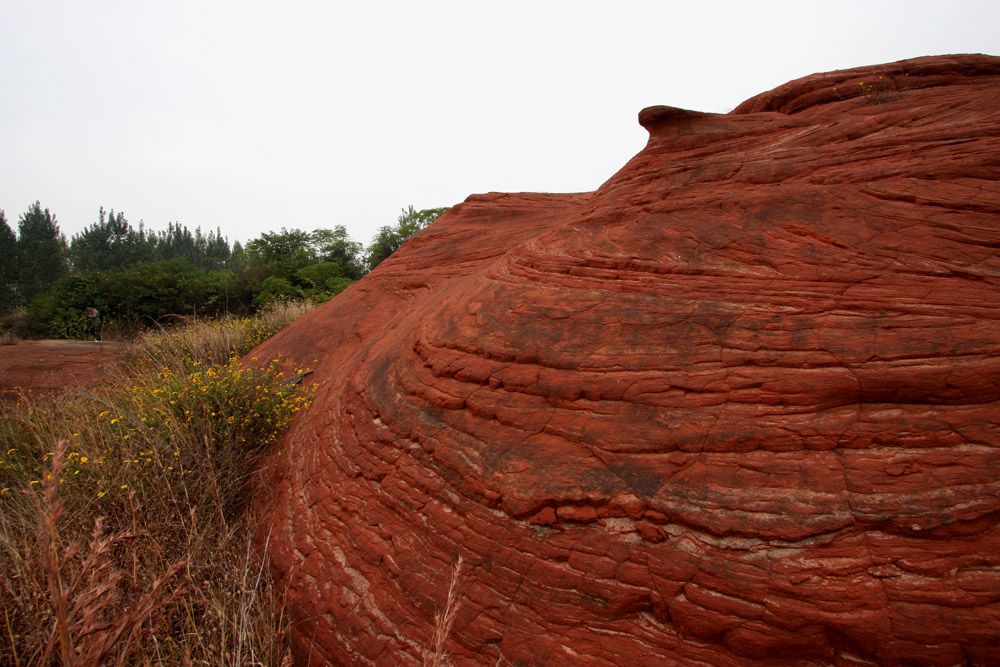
x=40 y=366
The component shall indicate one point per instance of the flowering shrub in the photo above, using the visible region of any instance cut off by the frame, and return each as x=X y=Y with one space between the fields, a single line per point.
x=218 y=407
x=245 y=407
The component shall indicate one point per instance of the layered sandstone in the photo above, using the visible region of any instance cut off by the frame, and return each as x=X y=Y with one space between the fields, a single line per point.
x=741 y=405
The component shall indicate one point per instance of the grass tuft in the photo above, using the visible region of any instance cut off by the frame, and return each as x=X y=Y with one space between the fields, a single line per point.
x=436 y=656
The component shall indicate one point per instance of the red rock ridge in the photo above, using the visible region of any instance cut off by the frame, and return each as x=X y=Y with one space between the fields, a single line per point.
x=741 y=405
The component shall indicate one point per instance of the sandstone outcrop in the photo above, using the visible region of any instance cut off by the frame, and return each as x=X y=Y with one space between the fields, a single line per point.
x=740 y=405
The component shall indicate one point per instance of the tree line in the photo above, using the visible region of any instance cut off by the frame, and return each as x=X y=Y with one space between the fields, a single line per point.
x=135 y=276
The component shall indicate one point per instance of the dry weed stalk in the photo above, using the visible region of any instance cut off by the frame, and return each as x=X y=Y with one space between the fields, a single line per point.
x=90 y=618
x=443 y=620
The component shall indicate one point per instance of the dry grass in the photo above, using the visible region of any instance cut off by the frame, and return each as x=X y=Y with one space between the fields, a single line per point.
x=124 y=531
x=89 y=618
x=436 y=656
x=214 y=341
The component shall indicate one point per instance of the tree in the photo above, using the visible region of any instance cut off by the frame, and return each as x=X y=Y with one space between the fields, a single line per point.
x=276 y=288
x=388 y=239
x=209 y=252
x=8 y=266
x=321 y=282
x=177 y=242
x=292 y=263
x=110 y=243
x=213 y=249
x=143 y=292
x=281 y=253
x=334 y=245
x=41 y=252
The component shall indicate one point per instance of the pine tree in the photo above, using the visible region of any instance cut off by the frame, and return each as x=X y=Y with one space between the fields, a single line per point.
x=110 y=243
x=217 y=251
x=8 y=266
x=41 y=252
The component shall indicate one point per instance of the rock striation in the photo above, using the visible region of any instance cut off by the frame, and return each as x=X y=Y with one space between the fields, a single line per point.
x=740 y=405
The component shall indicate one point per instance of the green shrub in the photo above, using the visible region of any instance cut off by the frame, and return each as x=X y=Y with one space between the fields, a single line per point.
x=276 y=289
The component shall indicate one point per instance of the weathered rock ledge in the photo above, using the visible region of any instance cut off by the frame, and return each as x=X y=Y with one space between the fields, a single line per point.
x=741 y=405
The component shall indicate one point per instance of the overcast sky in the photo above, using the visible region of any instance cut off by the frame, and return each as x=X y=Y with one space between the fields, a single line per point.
x=252 y=116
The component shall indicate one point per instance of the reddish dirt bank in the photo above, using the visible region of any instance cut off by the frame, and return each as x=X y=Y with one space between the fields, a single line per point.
x=51 y=365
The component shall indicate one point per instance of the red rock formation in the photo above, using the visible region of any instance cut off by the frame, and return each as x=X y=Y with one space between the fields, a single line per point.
x=741 y=405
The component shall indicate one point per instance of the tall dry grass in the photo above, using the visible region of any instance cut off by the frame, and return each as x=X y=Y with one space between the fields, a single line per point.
x=211 y=341
x=435 y=655
x=124 y=523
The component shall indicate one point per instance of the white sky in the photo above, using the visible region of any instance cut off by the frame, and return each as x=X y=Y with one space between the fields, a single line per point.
x=251 y=116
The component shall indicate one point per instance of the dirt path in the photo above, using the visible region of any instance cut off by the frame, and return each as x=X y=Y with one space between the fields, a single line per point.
x=37 y=366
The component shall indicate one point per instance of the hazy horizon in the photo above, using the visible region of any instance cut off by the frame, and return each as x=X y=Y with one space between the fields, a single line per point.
x=250 y=117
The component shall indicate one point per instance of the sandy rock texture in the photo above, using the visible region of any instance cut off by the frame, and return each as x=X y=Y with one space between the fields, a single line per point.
x=31 y=367
x=741 y=405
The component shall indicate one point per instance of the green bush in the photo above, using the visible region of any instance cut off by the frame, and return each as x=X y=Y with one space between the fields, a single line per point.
x=146 y=291
x=276 y=289
x=61 y=308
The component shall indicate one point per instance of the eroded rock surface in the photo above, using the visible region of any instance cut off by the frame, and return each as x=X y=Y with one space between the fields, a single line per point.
x=741 y=405
x=31 y=367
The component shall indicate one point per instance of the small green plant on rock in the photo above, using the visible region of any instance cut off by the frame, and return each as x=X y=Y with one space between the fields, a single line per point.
x=879 y=91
